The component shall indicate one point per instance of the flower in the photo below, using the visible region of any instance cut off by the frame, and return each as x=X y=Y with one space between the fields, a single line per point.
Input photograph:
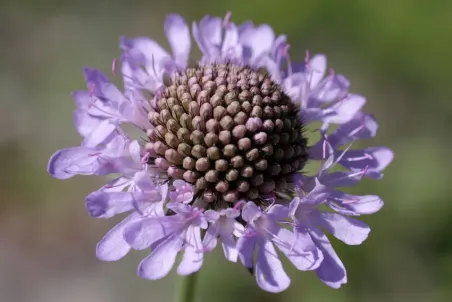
x=264 y=230
x=167 y=235
x=224 y=154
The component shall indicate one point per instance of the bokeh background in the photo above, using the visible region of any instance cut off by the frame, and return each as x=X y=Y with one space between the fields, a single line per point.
x=395 y=52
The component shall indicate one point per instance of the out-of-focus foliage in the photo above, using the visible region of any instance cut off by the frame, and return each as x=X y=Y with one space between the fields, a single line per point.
x=396 y=53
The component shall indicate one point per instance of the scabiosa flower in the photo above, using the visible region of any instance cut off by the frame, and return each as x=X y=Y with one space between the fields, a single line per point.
x=224 y=154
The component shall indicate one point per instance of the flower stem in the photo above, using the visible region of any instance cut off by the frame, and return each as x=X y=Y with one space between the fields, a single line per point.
x=187 y=288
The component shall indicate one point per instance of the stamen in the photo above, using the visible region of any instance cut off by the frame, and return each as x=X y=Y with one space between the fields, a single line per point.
x=94 y=154
x=249 y=232
x=342 y=100
x=293 y=244
x=227 y=19
x=94 y=99
x=307 y=58
x=368 y=156
x=285 y=54
x=325 y=137
x=145 y=158
x=350 y=201
x=360 y=128
x=342 y=154
x=196 y=212
x=91 y=88
x=113 y=67
x=364 y=171
x=109 y=186
x=365 y=156
x=239 y=204
x=202 y=250
x=153 y=66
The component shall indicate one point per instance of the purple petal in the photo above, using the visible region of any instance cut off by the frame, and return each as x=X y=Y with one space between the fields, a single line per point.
x=317 y=195
x=208 y=35
x=151 y=202
x=144 y=50
x=85 y=123
x=211 y=28
x=299 y=249
x=193 y=254
x=229 y=247
x=161 y=260
x=149 y=54
x=258 y=40
x=346 y=109
x=331 y=271
x=318 y=67
x=249 y=211
x=178 y=36
x=270 y=274
x=348 y=204
x=231 y=213
x=116 y=100
x=113 y=246
x=66 y=163
x=135 y=77
x=82 y=99
x=349 y=230
x=183 y=192
x=116 y=185
x=142 y=234
x=333 y=87
x=362 y=126
x=103 y=132
x=340 y=179
x=246 y=246
x=273 y=69
x=179 y=208
x=276 y=51
x=295 y=85
x=210 y=238
x=369 y=159
x=316 y=114
x=278 y=212
x=231 y=46
x=211 y=215
x=108 y=204
x=94 y=78
x=93 y=106
x=135 y=151
x=239 y=229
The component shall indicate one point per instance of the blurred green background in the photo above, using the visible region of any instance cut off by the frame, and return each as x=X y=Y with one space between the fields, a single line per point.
x=395 y=52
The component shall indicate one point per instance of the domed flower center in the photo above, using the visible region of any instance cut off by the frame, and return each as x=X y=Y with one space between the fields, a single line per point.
x=229 y=130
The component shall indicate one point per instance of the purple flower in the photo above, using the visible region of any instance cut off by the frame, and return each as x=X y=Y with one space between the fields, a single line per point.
x=223 y=225
x=145 y=62
x=183 y=192
x=167 y=236
x=114 y=157
x=263 y=231
x=102 y=108
x=221 y=39
x=136 y=195
x=361 y=126
x=222 y=147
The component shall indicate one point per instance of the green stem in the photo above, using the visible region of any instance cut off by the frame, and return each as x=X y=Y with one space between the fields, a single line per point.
x=187 y=288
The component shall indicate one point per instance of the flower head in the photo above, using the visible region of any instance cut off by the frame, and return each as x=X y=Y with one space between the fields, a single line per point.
x=224 y=154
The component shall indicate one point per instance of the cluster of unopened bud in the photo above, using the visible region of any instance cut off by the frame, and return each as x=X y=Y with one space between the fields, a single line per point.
x=229 y=130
